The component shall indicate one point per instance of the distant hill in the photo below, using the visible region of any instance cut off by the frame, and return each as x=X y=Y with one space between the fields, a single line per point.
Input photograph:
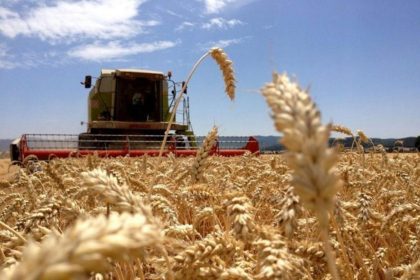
x=271 y=143
x=4 y=144
x=409 y=142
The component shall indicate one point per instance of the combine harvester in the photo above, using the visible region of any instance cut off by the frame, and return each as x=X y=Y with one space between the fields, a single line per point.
x=128 y=113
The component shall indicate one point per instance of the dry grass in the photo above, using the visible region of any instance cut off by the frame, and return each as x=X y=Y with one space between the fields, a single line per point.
x=6 y=171
x=4 y=155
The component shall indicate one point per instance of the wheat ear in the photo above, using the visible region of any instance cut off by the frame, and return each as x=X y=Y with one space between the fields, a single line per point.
x=342 y=129
x=119 y=196
x=363 y=138
x=227 y=69
x=225 y=65
x=17 y=234
x=202 y=155
x=412 y=272
x=382 y=150
x=239 y=212
x=314 y=179
x=86 y=247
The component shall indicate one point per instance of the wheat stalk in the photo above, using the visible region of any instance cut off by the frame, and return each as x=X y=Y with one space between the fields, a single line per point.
x=225 y=65
x=306 y=138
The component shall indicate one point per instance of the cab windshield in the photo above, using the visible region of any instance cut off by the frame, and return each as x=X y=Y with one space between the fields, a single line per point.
x=137 y=100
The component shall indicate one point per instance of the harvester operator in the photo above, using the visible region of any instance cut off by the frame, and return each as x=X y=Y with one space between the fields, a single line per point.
x=138 y=107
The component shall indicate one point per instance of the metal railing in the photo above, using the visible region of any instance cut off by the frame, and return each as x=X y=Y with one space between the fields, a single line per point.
x=124 y=142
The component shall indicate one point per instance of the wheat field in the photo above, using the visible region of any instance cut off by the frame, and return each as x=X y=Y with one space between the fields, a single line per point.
x=242 y=220
x=310 y=213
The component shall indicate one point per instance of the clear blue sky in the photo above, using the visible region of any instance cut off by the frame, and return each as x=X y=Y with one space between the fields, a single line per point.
x=361 y=59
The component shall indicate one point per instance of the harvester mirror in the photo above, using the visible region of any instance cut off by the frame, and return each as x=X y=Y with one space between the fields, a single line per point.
x=88 y=81
x=183 y=85
x=169 y=74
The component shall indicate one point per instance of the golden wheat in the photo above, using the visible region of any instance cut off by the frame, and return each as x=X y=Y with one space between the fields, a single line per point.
x=202 y=154
x=306 y=139
x=227 y=69
x=244 y=200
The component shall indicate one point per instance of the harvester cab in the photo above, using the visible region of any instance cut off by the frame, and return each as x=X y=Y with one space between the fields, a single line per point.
x=132 y=101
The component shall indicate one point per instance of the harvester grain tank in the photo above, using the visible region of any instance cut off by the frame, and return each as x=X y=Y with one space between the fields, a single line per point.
x=128 y=113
